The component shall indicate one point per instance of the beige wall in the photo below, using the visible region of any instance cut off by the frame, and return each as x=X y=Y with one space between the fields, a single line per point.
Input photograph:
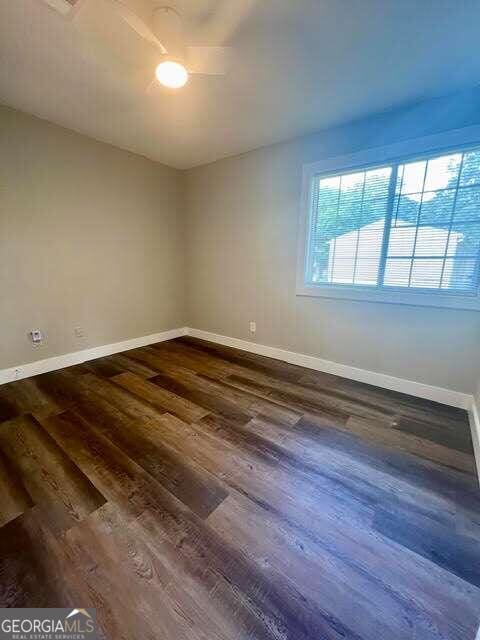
x=95 y=237
x=90 y=236
x=242 y=215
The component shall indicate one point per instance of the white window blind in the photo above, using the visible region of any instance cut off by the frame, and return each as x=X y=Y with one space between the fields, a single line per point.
x=410 y=226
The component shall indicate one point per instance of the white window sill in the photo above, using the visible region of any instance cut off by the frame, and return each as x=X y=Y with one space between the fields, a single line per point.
x=390 y=296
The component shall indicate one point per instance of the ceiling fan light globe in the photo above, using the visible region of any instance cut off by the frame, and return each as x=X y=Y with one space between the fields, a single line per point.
x=171 y=74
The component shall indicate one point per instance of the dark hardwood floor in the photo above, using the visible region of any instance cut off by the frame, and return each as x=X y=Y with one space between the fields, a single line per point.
x=192 y=491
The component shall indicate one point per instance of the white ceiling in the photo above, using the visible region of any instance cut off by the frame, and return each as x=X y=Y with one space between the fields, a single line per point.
x=297 y=66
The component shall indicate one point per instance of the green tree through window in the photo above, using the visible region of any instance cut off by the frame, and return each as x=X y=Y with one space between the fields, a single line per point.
x=435 y=208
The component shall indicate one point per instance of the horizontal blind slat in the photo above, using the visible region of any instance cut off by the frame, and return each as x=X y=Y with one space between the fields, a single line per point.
x=434 y=241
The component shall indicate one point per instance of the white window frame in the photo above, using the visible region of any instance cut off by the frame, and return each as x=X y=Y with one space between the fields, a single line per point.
x=414 y=149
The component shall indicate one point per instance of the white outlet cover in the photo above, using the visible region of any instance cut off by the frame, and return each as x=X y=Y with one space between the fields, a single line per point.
x=36 y=335
x=253 y=327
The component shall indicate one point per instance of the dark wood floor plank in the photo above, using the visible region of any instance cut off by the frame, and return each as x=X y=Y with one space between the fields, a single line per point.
x=252 y=470
x=51 y=478
x=104 y=367
x=431 y=481
x=367 y=476
x=191 y=491
x=391 y=402
x=34 y=568
x=432 y=540
x=142 y=441
x=159 y=362
x=294 y=398
x=116 y=364
x=118 y=478
x=59 y=388
x=128 y=363
x=162 y=398
x=26 y=396
x=265 y=611
x=268 y=375
x=105 y=554
x=402 y=440
x=124 y=400
x=218 y=387
x=256 y=403
x=329 y=527
x=195 y=361
x=14 y=498
x=447 y=436
x=300 y=473
x=323 y=576
x=268 y=366
x=280 y=391
x=8 y=407
x=196 y=393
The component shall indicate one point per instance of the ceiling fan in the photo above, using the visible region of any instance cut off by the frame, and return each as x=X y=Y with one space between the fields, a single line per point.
x=164 y=31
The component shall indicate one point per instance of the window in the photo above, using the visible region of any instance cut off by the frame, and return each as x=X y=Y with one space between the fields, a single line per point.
x=398 y=231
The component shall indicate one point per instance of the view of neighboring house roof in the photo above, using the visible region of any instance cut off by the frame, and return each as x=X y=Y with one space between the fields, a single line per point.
x=354 y=255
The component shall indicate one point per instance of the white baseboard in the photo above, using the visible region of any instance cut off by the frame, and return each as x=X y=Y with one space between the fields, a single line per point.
x=77 y=357
x=474 y=417
x=438 y=394
x=410 y=387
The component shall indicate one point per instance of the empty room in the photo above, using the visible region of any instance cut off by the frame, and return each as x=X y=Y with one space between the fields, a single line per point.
x=240 y=320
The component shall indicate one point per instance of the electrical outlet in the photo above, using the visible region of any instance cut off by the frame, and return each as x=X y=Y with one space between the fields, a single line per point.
x=79 y=332
x=253 y=327
x=36 y=336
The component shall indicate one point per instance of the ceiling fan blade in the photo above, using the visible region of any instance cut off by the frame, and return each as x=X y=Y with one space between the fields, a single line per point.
x=136 y=23
x=208 y=60
x=108 y=42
